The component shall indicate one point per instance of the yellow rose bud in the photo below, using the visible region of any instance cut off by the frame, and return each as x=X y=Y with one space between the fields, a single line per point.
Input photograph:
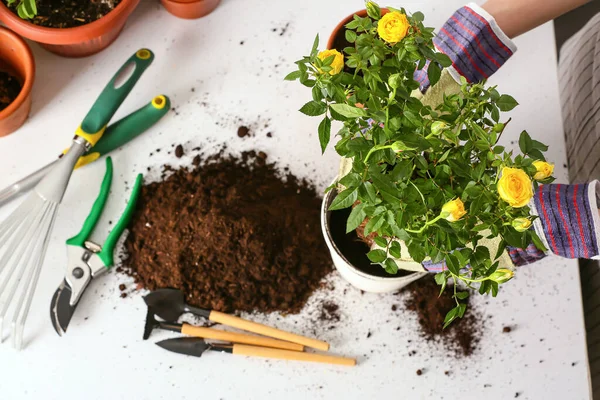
x=515 y=187
x=501 y=275
x=521 y=224
x=393 y=27
x=544 y=170
x=453 y=210
x=338 y=61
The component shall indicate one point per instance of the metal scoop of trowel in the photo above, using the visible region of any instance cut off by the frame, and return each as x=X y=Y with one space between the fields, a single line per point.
x=196 y=347
x=169 y=304
x=215 y=334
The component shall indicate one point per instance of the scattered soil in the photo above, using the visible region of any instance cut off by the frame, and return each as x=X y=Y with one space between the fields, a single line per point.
x=329 y=312
x=419 y=372
x=68 y=13
x=243 y=131
x=179 y=151
x=506 y=329
x=10 y=87
x=352 y=247
x=462 y=336
x=122 y=287
x=233 y=234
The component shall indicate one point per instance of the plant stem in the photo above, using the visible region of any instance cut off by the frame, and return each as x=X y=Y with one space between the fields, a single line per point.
x=375 y=148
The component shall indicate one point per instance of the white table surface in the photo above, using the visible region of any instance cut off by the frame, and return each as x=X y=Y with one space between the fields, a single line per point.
x=103 y=355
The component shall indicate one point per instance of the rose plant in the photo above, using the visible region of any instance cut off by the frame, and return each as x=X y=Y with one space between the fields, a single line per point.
x=433 y=177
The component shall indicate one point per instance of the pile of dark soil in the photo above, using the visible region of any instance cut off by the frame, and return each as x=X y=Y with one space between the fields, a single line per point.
x=462 y=336
x=68 y=13
x=10 y=87
x=232 y=234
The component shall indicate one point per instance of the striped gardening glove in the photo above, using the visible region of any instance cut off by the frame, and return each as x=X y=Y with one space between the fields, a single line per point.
x=474 y=43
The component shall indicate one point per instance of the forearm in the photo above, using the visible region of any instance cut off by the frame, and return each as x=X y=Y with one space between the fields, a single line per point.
x=516 y=17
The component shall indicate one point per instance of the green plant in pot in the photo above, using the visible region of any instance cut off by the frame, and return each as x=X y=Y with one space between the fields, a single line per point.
x=26 y=9
x=426 y=183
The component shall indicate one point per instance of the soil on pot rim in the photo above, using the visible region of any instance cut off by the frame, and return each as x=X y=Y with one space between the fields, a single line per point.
x=10 y=87
x=233 y=234
x=353 y=248
x=68 y=13
x=462 y=336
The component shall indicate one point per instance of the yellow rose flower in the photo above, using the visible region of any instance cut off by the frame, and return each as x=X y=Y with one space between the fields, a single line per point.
x=393 y=27
x=521 y=224
x=453 y=210
x=514 y=187
x=544 y=170
x=338 y=61
x=501 y=275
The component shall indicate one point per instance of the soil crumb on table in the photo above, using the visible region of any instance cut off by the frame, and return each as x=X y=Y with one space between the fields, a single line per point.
x=10 y=87
x=68 y=13
x=462 y=336
x=233 y=234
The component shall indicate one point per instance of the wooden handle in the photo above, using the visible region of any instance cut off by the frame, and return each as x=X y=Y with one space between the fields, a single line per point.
x=236 y=322
x=233 y=337
x=245 y=350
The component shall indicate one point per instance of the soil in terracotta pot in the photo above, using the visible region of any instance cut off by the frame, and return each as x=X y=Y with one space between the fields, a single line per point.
x=462 y=336
x=353 y=248
x=68 y=13
x=10 y=87
x=232 y=233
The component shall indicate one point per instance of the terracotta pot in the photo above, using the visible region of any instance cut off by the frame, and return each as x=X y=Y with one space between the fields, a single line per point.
x=340 y=27
x=355 y=276
x=16 y=58
x=80 y=41
x=190 y=9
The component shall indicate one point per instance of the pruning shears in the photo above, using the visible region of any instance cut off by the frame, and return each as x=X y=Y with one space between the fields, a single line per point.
x=94 y=127
x=88 y=260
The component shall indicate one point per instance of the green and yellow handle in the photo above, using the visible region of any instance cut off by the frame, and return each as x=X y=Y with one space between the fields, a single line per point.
x=106 y=254
x=94 y=124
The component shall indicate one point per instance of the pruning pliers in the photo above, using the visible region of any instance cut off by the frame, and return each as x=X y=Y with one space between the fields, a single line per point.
x=88 y=260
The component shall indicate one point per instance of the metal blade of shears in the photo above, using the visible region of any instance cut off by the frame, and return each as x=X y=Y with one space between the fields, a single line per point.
x=61 y=309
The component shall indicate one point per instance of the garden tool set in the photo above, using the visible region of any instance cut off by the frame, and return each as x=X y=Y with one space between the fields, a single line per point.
x=169 y=305
x=24 y=235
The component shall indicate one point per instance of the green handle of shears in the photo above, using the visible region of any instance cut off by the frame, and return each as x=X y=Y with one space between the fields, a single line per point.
x=95 y=122
x=127 y=129
x=92 y=219
x=106 y=255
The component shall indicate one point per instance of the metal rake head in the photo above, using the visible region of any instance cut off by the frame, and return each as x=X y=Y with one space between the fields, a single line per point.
x=24 y=238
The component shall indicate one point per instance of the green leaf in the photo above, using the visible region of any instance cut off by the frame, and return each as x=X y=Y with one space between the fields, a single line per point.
x=451 y=316
x=395 y=250
x=434 y=73
x=344 y=199
x=525 y=142
x=381 y=242
x=373 y=10
x=462 y=295
x=350 y=36
x=348 y=111
x=416 y=251
x=539 y=145
x=440 y=278
x=374 y=224
x=356 y=217
x=377 y=256
x=313 y=108
x=391 y=267
x=452 y=264
x=315 y=46
x=506 y=103
x=418 y=16
x=537 y=241
x=443 y=59
x=324 y=133
x=292 y=76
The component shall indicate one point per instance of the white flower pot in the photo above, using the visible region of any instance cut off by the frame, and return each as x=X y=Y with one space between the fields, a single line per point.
x=356 y=277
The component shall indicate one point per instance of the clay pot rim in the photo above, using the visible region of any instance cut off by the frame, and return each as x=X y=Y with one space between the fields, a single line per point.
x=184 y=1
x=27 y=56
x=61 y=36
x=361 y=13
